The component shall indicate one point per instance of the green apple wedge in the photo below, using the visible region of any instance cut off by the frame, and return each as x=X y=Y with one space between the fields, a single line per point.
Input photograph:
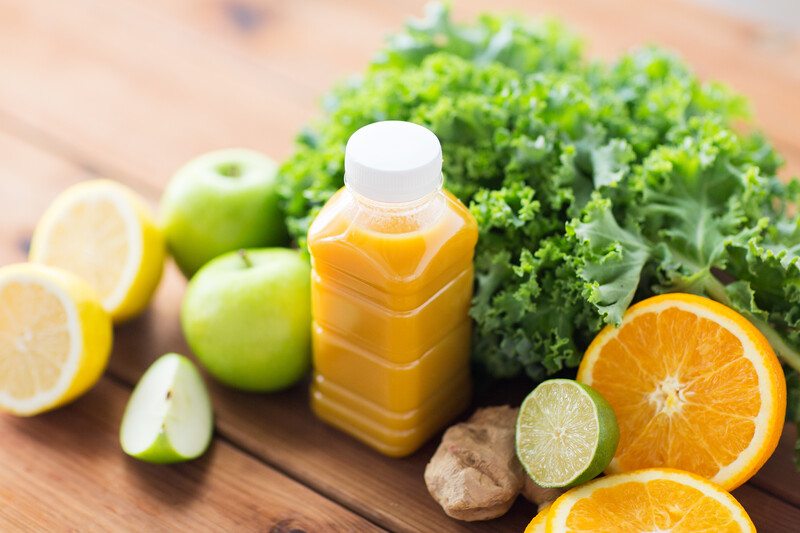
x=221 y=201
x=169 y=417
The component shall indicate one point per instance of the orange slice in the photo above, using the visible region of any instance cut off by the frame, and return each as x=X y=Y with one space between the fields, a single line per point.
x=539 y=522
x=694 y=385
x=655 y=499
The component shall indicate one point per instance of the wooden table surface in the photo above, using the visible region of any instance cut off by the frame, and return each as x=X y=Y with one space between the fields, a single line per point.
x=131 y=89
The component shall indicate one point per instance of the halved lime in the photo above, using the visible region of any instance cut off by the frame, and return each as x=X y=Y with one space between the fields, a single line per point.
x=566 y=433
x=169 y=416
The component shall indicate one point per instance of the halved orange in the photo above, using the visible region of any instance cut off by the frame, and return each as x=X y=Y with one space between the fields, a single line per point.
x=654 y=499
x=694 y=385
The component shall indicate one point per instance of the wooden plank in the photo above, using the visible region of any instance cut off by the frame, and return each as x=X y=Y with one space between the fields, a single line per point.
x=29 y=180
x=342 y=38
x=314 y=43
x=769 y=514
x=137 y=96
x=65 y=471
x=85 y=90
x=778 y=476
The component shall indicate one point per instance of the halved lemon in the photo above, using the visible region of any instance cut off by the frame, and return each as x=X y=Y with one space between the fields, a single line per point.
x=55 y=338
x=694 y=385
x=655 y=499
x=104 y=233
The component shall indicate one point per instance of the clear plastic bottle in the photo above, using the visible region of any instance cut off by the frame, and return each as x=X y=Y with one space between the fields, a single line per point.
x=391 y=285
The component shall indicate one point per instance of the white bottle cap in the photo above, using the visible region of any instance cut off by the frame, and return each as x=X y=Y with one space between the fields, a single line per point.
x=393 y=162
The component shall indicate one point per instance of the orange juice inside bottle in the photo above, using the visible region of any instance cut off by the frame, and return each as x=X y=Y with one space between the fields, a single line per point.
x=391 y=288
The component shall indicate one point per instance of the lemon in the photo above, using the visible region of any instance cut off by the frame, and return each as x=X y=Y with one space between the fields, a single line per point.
x=104 y=233
x=55 y=338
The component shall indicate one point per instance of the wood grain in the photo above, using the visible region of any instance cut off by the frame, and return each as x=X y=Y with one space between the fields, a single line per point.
x=137 y=96
x=777 y=476
x=170 y=94
x=65 y=471
x=339 y=40
x=768 y=513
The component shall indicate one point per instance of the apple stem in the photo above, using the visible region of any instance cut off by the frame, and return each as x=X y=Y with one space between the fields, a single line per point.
x=230 y=170
x=246 y=258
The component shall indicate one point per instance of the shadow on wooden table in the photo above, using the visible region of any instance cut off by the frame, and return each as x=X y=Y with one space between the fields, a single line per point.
x=150 y=478
x=67 y=429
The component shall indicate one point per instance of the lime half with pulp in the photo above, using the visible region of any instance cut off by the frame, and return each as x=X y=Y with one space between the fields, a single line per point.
x=566 y=433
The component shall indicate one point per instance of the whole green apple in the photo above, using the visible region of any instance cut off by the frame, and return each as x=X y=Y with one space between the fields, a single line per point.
x=247 y=317
x=221 y=201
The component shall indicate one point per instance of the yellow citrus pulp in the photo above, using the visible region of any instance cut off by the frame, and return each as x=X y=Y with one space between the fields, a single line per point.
x=104 y=233
x=55 y=338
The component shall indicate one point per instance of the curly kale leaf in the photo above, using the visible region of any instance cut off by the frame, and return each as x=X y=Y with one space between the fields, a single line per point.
x=613 y=259
x=510 y=41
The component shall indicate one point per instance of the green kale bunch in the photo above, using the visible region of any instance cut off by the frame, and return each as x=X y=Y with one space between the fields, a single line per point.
x=593 y=185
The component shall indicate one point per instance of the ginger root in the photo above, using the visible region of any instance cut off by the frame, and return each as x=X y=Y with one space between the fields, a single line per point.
x=474 y=474
x=541 y=496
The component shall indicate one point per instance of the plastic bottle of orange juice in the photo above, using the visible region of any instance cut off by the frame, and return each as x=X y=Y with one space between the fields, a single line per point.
x=391 y=285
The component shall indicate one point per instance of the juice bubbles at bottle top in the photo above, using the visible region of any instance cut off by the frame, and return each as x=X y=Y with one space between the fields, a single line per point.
x=391 y=287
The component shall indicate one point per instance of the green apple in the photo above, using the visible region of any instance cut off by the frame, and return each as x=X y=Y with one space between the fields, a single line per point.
x=247 y=317
x=169 y=416
x=222 y=201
